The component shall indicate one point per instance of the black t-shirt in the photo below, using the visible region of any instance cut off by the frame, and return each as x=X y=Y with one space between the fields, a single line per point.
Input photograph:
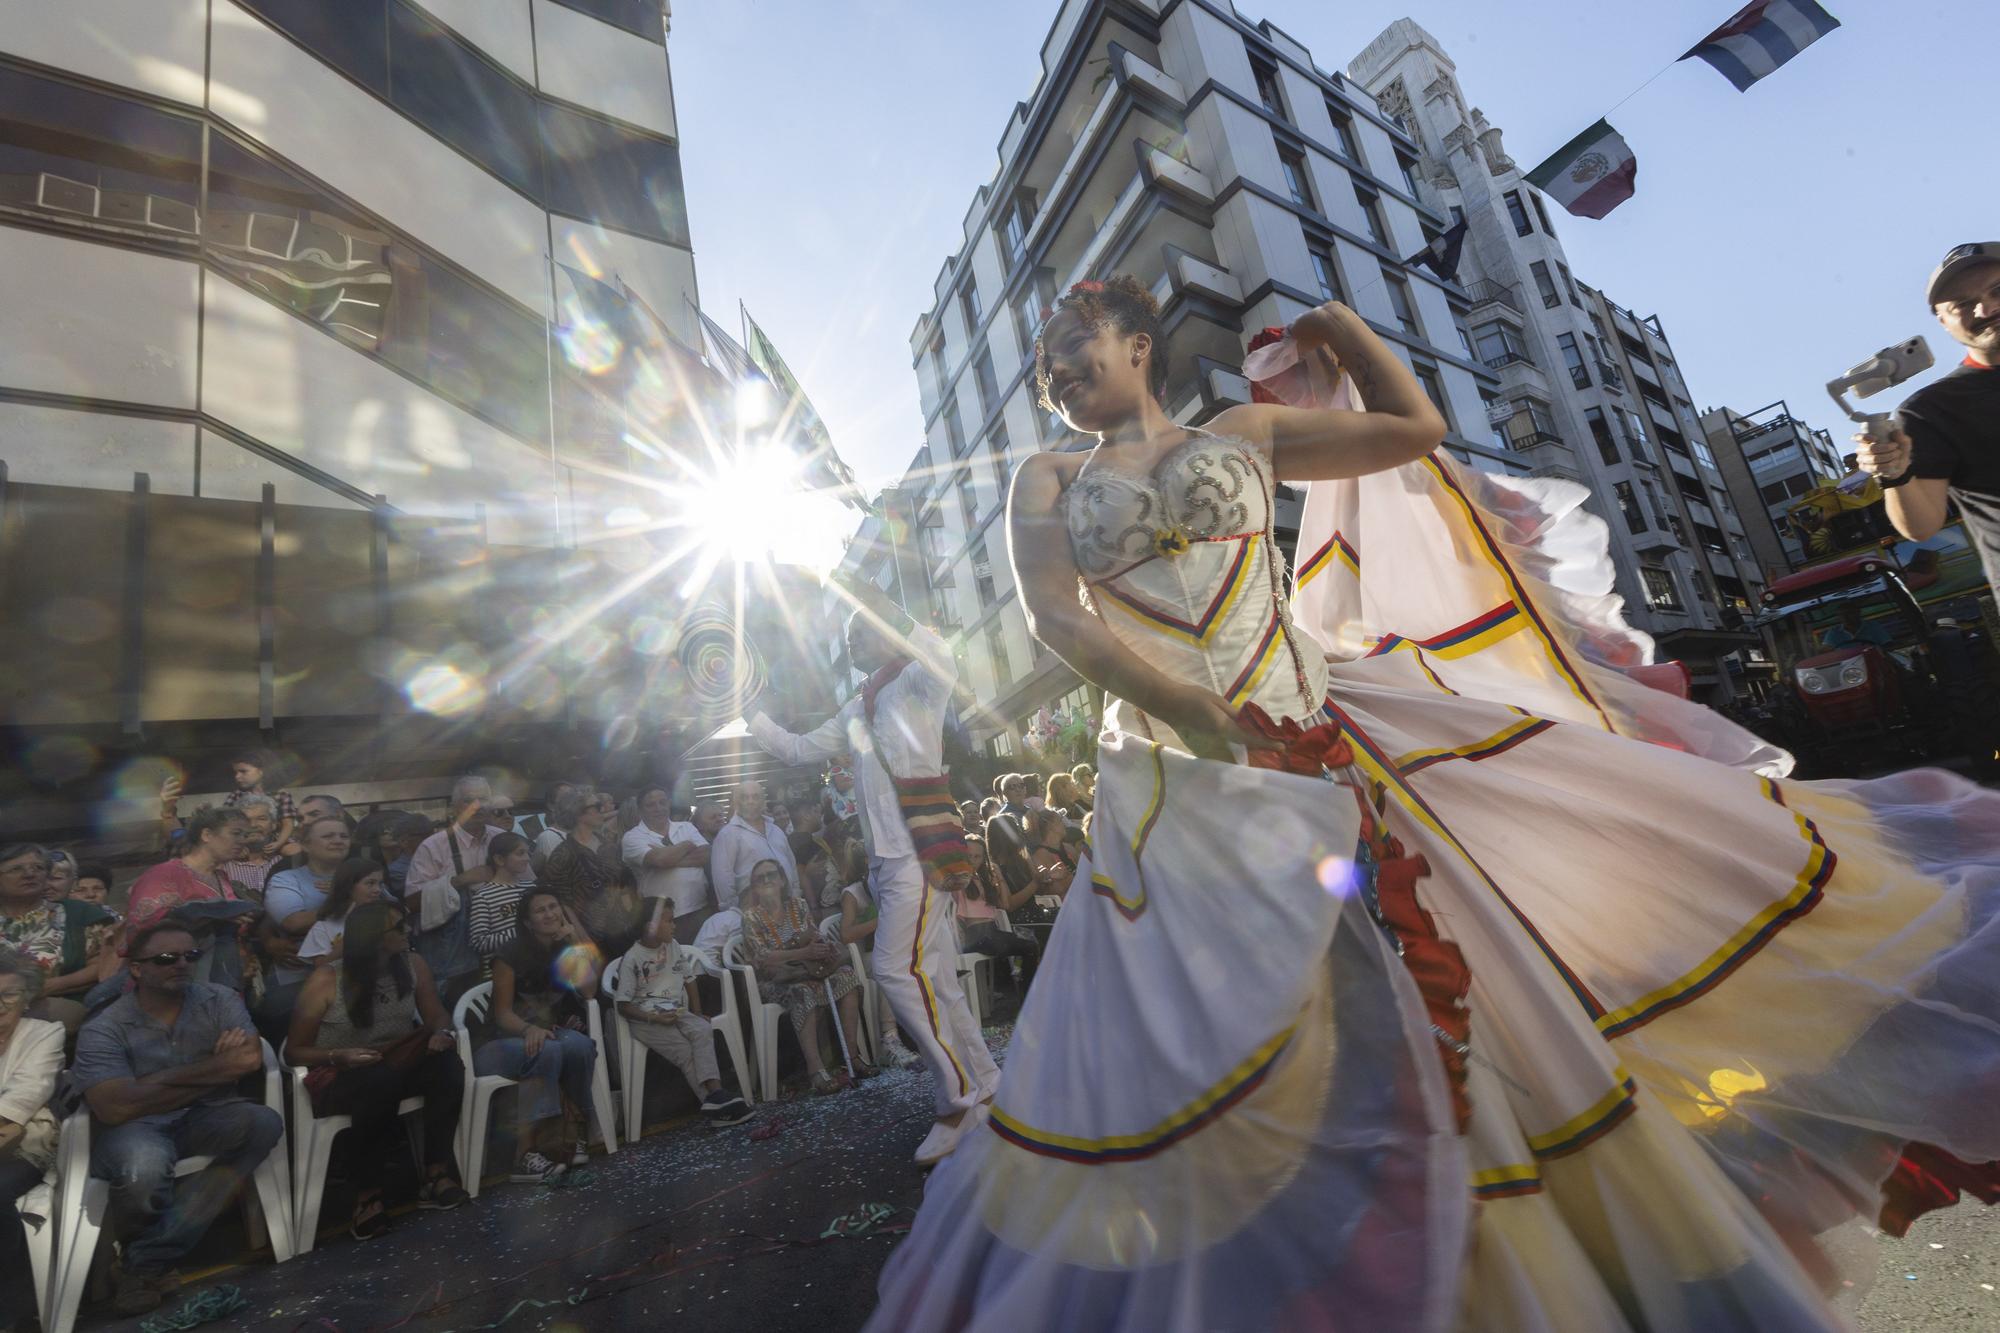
x=1954 y=430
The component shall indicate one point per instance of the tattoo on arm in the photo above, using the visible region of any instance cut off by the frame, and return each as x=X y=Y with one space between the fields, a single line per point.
x=1362 y=367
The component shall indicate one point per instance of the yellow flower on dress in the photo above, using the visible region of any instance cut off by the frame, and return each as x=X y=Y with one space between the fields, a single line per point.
x=1170 y=540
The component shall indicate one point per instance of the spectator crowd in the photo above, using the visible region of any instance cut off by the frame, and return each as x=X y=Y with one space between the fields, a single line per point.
x=397 y=955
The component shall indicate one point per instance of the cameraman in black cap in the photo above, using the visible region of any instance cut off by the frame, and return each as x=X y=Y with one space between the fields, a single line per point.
x=1949 y=446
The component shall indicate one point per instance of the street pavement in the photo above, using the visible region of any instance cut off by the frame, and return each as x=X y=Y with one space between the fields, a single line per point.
x=1944 y=1277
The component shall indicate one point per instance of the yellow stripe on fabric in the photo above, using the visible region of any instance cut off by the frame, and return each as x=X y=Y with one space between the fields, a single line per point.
x=1506 y=1175
x=1194 y=1110
x=1577 y=1124
x=1103 y=884
x=1505 y=629
x=1244 y=566
x=1264 y=660
x=1805 y=886
x=1497 y=738
x=1153 y=806
x=1520 y=591
x=933 y=1018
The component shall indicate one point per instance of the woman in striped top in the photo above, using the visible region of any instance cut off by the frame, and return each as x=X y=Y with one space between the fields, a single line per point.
x=496 y=903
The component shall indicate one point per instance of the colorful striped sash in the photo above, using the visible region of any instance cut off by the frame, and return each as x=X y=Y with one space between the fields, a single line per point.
x=937 y=834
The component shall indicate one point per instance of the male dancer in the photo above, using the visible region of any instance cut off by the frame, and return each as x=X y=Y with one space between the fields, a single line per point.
x=895 y=730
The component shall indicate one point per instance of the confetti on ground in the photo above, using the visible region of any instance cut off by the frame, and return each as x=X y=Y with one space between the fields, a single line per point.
x=203 y=1306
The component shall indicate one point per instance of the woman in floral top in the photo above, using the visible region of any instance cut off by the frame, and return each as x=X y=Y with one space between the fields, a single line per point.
x=66 y=939
x=798 y=968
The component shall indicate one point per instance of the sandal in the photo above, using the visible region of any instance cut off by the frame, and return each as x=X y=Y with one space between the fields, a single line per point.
x=864 y=1070
x=442 y=1193
x=370 y=1220
x=824 y=1084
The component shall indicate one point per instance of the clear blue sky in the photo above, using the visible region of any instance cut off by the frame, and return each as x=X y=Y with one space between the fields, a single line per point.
x=831 y=151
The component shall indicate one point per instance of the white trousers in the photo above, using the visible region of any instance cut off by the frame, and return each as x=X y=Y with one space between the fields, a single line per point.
x=916 y=964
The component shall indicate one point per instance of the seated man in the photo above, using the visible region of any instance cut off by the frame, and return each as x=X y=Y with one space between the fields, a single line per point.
x=665 y=1013
x=160 y=1069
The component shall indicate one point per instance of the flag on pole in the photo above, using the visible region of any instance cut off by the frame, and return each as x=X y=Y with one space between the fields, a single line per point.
x=1763 y=35
x=823 y=467
x=725 y=353
x=1441 y=255
x=1591 y=174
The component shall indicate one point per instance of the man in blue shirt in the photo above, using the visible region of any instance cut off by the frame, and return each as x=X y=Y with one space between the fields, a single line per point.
x=160 y=1069
x=1853 y=629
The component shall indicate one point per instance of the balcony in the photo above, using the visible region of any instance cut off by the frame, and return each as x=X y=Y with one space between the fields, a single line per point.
x=1655 y=539
x=1494 y=293
x=1610 y=377
x=1508 y=359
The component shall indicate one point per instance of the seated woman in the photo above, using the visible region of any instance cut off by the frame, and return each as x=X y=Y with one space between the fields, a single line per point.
x=859 y=918
x=797 y=967
x=358 y=882
x=371 y=1031
x=1054 y=866
x=31 y=1055
x=541 y=984
x=496 y=904
x=982 y=900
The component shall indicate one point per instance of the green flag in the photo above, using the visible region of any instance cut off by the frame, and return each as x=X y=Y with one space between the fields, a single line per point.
x=823 y=466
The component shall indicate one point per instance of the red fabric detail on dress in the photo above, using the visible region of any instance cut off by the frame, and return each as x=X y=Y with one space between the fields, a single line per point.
x=1928 y=1178
x=1435 y=964
x=1308 y=751
x=1264 y=338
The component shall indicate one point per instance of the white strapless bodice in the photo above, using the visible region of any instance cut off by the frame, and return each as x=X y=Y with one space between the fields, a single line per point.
x=1181 y=566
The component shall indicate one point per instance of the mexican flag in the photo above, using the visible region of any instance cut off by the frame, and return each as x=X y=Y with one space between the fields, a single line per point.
x=1591 y=174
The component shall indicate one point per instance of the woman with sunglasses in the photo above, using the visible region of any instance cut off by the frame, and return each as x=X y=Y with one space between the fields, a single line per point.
x=587 y=873
x=371 y=1031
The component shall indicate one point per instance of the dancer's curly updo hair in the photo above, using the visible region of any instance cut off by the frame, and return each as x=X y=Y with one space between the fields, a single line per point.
x=1124 y=303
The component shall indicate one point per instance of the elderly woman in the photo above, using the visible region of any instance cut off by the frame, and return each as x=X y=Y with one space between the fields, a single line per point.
x=62 y=875
x=260 y=854
x=66 y=941
x=798 y=968
x=371 y=1031
x=31 y=1055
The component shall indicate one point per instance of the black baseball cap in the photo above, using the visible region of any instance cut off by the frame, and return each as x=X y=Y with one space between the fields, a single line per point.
x=1956 y=260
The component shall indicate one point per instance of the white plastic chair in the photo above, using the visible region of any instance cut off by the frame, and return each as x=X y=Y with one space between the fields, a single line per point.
x=82 y=1203
x=479 y=1088
x=764 y=1018
x=632 y=1052
x=41 y=1202
x=312 y=1149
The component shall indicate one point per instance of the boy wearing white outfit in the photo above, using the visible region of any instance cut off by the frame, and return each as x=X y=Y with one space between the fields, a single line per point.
x=916 y=954
x=654 y=996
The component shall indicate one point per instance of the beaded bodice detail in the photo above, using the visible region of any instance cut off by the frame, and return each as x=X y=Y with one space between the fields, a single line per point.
x=1183 y=568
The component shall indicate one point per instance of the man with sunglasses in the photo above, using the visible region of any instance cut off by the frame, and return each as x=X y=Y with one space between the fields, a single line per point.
x=1948 y=450
x=160 y=1069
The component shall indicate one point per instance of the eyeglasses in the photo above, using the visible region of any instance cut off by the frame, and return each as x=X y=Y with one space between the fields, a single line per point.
x=169 y=959
x=13 y=999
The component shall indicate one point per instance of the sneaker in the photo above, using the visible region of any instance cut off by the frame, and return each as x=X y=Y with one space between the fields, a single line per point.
x=580 y=1155
x=725 y=1108
x=442 y=1195
x=369 y=1225
x=535 y=1169
x=138 y=1293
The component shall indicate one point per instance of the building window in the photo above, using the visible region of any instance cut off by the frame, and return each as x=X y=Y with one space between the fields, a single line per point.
x=1498 y=414
x=1371 y=213
x=1398 y=288
x=938 y=367
x=1464 y=337
x=1597 y=325
x=1037 y=296
x=968 y=500
x=996 y=647
x=968 y=305
x=1600 y=430
x=1628 y=505
x=982 y=575
x=1519 y=214
x=1711 y=538
x=1499 y=345
x=1014 y=226
x=997 y=446
x=1661 y=594
x=1541 y=213
x=989 y=387
x=1296 y=180
x=1568 y=284
x=1434 y=390
x=1343 y=133
x=1573 y=358
x=954 y=429
x=601 y=171
x=1266 y=75
x=1408 y=166
x=643 y=17
x=1323 y=269
x=1635 y=427
x=1691 y=489
x=1546 y=285
x=1457 y=214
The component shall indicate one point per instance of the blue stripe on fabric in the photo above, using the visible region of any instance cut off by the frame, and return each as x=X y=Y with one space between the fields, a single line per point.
x=1774 y=40
x=1727 y=65
x=1815 y=14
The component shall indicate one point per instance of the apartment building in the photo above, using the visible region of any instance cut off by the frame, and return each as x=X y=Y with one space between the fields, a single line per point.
x=1214 y=158
x=1587 y=390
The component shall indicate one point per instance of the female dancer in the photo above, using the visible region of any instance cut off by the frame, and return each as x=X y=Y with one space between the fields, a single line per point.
x=1432 y=971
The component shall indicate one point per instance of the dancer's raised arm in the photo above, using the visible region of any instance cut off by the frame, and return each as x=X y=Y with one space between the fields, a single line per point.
x=1046 y=573
x=1400 y=426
